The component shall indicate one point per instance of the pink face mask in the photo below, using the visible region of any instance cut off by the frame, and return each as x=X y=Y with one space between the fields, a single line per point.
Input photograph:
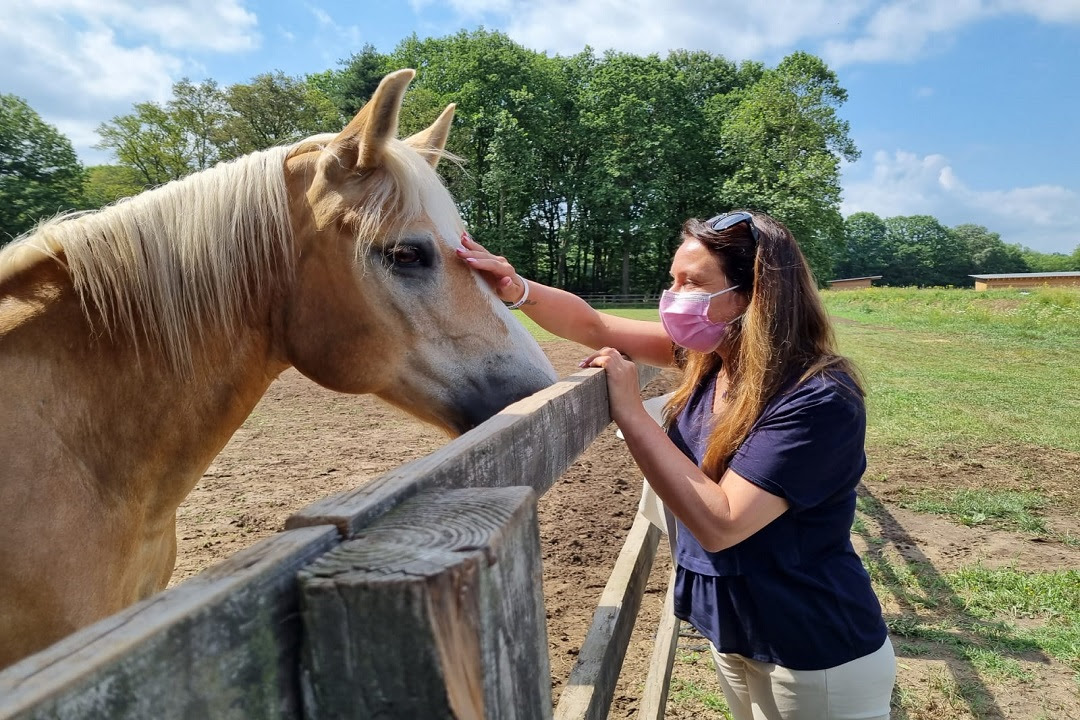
x=685 y=316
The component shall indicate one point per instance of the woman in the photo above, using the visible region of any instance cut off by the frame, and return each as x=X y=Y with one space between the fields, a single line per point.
x=759 y=461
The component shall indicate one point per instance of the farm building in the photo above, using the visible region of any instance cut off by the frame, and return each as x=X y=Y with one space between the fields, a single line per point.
x=1018 y=281
x=853 y=283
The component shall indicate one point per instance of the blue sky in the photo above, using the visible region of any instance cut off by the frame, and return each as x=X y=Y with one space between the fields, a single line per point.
x=967 y=110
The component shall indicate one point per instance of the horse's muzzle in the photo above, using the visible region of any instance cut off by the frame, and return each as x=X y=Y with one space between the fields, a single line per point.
x=480 y=399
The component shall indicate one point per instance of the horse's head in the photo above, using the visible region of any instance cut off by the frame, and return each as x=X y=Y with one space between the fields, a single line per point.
x=380 y=303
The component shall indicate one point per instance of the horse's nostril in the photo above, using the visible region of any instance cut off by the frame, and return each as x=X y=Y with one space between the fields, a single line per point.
x=486 y=397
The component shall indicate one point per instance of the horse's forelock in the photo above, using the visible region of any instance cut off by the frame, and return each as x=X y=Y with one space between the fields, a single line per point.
x=403 y=190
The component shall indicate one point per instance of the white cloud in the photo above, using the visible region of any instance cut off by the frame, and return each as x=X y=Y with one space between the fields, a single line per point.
x=1045 y=10
x=79 y=62
x=847 y=31
x=902 y=30
x=321 y=16
x=468 y=8
x=347 y=35
x=1042 y=217
x=737 y=30
x=218 y=25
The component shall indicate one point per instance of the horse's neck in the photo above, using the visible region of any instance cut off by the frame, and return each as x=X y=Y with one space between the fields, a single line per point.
x=101 y=412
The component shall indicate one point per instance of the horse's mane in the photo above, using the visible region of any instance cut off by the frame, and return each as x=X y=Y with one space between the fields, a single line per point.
x=199 y=253
x=194 y=252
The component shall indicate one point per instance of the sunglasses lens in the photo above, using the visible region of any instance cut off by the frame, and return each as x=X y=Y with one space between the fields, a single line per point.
x=723 y=222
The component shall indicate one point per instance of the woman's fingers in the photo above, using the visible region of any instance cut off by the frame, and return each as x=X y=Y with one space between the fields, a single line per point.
x=499 y=273
x=469 y=243
x=601 y=357
x=624 y=395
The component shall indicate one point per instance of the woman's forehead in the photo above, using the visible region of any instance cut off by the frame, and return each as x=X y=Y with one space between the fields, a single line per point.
x=693 y=256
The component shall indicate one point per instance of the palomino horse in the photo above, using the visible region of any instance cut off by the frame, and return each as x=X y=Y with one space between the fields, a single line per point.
x=135 y=340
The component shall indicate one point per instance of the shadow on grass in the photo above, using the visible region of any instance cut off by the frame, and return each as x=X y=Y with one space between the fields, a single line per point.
x=957 y=632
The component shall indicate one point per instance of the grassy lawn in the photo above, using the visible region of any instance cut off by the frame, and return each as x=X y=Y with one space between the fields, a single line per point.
x=636 y=313
x=956 y=367
x=958 y=376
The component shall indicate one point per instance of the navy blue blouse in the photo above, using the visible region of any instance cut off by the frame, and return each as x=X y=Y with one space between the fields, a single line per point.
x=794 y=593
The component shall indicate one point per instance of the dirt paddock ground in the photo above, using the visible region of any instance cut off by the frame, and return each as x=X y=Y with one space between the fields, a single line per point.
x=303 y=442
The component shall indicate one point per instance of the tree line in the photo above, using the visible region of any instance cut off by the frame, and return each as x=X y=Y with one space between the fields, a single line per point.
x=580 y=169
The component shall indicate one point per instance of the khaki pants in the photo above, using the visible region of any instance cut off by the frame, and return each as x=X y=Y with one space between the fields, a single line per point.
x=857 y=690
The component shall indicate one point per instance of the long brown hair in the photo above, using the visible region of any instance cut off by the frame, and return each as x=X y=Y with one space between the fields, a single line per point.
x=784 y=333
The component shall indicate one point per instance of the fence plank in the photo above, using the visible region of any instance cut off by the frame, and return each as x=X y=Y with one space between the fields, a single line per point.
x=532 y=442
x=589 y=690
x=435 y=611
x=223 y=644
x=654 y=698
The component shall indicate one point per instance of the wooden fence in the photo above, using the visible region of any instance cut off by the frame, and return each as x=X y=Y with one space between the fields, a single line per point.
x=416 y=595
x=601 y=300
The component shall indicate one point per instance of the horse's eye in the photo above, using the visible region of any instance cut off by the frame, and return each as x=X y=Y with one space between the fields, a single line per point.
x=405 y=255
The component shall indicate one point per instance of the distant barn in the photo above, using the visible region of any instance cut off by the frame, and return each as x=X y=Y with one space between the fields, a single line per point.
x=1022 y=281
x=853 y=283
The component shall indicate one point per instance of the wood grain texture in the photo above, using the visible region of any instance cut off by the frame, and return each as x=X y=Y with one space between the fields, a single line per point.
x=531 y=442
x=434 y=611
x=224 y=644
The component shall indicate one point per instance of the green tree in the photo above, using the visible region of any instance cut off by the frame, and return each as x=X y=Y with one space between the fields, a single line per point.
x=40 y=174
x=167 y=142
x=866 y=250
x=490 y=78
x=647 y=169
x=925 y=253
x=988 y=253
x=781 y=145
x=1047 y=262
x=351 y=86
x=271 y=110
x=106 y=184
x=581 y=169
x=199 y=111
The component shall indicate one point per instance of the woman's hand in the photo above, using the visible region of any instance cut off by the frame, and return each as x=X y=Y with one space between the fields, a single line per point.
x=496 y=269
x=624 y=393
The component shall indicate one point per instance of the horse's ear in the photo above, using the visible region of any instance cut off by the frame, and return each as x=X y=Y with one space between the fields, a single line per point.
x=431 y=141
x=362 y=143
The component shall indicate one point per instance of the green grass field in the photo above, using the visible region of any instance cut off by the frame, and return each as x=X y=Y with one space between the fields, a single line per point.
x=950 y=372
x=960 y=368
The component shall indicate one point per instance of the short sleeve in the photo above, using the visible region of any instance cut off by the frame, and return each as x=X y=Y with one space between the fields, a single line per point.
x=808 y=444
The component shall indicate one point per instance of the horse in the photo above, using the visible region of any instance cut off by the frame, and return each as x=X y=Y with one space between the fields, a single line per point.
x=136 y=339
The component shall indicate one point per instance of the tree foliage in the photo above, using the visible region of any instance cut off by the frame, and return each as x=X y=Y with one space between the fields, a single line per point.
x=203 y=124
x=106 y=184
x=167 y=142
x=582 y=168
x=272 y=109
x=989 y=255
x=40 y=175
x=783 y=142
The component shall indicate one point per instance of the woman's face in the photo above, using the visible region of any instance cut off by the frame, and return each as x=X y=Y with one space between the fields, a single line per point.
x=695 y=269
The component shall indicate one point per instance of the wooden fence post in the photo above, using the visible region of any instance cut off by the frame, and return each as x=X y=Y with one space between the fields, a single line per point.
x=224 y=644
x=434 y=611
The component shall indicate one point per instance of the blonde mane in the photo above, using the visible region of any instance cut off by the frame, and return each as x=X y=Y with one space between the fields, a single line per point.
x=195 y=252
x=199 y=253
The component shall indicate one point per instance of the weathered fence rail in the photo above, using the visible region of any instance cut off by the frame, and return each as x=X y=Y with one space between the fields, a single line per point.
x=416 y=595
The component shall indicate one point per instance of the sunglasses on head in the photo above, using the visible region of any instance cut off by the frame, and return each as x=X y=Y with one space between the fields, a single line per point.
x=723 y=222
